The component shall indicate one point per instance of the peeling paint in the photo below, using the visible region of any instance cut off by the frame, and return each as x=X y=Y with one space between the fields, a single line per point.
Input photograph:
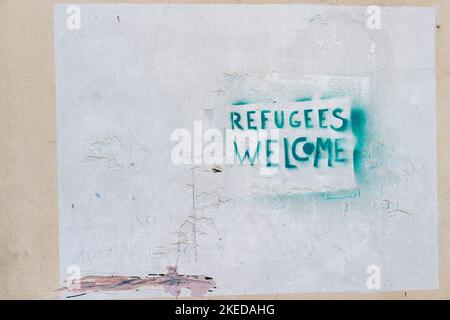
x=171 y=282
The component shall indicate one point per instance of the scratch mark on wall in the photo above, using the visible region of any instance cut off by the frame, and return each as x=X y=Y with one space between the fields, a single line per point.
x=194 y=220
x=109 y=149
x=393 y=209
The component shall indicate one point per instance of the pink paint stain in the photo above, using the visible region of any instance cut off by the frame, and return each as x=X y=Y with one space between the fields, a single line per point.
x=171 y=282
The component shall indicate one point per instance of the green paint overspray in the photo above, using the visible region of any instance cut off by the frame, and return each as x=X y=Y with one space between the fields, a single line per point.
x=358 y=122
x=303 y=99
x=241 y=103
